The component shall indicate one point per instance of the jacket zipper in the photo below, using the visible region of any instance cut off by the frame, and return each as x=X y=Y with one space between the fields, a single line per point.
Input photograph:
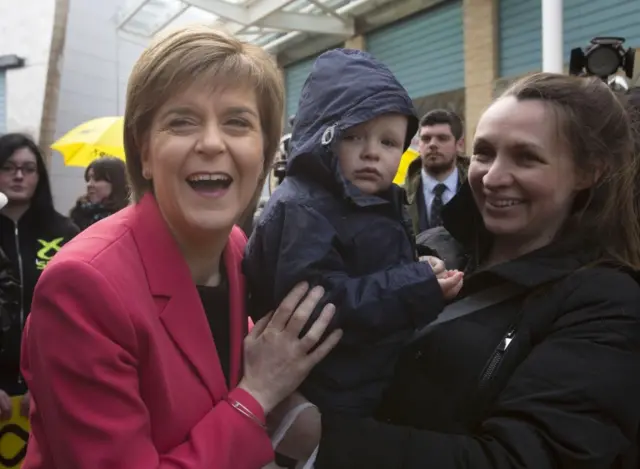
x=497 y=356
x=20 y=269
x=409 y=231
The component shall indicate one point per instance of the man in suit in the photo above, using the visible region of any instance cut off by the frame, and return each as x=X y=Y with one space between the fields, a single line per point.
x=435 y=177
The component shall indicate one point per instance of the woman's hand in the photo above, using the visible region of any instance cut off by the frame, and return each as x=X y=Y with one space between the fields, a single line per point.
x=276 y=359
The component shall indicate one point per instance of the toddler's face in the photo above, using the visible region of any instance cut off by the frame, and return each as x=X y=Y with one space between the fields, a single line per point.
x=369 y=154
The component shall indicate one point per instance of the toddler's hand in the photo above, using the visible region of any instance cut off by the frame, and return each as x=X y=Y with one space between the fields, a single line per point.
x=437 y=265
x=451 y=282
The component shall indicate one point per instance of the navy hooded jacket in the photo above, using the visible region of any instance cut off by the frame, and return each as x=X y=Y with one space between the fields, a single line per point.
x=320 y=228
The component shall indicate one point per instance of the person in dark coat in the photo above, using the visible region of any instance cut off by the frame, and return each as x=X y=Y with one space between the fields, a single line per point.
x=337 y=220
x=9 y=309
x=31 y=233
x=549 y=377
x=435 y=177
x=107 y=192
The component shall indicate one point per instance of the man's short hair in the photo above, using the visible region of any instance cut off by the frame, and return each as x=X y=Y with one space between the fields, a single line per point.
x=443 y=116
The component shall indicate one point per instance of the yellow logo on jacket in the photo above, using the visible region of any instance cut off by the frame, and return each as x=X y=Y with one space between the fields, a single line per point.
x=47 y=251
x=14 y=434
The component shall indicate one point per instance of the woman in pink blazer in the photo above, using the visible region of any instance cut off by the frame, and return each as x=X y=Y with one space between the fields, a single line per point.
x=133 y=350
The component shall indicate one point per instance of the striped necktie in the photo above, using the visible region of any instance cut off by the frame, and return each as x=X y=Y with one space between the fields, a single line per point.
x=436 y=206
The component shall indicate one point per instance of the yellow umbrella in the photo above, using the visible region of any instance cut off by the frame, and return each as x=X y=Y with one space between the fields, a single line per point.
x=406 y=160
x=91 y=140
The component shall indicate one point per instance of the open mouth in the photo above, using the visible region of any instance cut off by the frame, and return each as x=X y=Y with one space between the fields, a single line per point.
x=210 y=182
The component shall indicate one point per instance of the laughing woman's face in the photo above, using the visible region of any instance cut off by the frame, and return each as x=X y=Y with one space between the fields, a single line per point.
x=205 y=158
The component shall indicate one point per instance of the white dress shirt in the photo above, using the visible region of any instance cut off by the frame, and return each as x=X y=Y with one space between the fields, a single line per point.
x=429 y=184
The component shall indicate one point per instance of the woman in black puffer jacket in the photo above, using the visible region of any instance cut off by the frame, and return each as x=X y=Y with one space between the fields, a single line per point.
x=107 y=192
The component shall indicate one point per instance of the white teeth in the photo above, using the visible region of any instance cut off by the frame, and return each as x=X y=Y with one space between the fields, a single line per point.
x=505 y=203
x=209 y=177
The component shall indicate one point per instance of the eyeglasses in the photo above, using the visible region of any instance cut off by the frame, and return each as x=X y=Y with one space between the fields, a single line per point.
x=28 y=169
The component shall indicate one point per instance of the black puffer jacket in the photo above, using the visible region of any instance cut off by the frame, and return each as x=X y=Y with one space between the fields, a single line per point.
x=548 y=379
x=9 y=297
x=29 y=245
x=84 y=213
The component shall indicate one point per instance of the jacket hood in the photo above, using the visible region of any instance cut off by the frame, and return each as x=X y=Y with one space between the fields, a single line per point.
x=345 y=88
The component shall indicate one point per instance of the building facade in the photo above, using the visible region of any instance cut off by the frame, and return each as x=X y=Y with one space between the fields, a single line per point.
x=63 y=62
x=94 y=70
x=460 y=54
x=24 y=64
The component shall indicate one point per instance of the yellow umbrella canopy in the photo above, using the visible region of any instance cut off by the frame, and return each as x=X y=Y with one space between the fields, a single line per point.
x=91 y=140
x=407 y=159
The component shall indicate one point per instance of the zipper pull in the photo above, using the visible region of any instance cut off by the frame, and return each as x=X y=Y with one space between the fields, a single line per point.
x=328 y=135
x=506 y=341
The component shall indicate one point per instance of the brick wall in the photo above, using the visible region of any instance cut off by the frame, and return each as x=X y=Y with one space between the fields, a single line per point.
x=356 y=42
x=480 y=21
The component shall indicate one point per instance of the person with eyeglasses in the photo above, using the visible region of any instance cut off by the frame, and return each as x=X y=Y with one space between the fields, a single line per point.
x=31 y=232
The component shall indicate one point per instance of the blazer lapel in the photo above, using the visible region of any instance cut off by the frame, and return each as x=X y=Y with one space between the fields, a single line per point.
x=176 y=296
x=237 y=302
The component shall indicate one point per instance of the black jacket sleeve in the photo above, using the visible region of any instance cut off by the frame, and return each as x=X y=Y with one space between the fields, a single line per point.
x=295 y=243
x=572 y=403
x=9 y=292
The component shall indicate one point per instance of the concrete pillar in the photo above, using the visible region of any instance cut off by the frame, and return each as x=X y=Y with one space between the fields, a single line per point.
x=480 y=22
x=552 y=42
x=50 y=105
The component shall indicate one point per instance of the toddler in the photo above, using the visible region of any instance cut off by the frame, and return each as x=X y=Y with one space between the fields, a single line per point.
x=337 y=220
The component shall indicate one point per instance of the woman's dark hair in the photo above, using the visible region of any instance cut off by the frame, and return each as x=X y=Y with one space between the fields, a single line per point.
x=42 y=200
x=596 y=127
x=112 y=170
x=632 y=101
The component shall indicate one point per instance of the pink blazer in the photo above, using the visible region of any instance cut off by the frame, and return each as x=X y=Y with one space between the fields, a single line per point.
x=120 y=360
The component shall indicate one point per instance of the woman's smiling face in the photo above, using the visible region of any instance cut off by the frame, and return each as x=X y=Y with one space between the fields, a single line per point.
x=205 y=157
x=522 y=175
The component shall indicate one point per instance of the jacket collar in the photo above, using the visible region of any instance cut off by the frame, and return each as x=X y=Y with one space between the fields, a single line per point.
x=451 y=182
x=414 y=176
x=177 y=298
